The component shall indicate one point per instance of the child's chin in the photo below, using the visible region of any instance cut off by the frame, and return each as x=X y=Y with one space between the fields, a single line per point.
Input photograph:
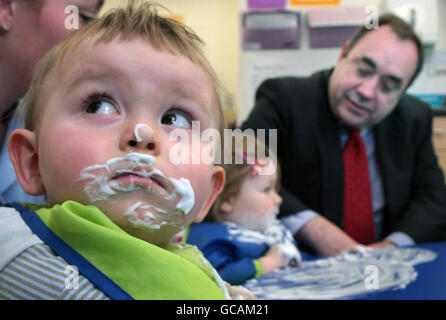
x=157 y=236
x=143 y=219
x=121 y=203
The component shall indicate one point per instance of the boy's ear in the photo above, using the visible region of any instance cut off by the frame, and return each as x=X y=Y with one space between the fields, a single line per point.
x=22 y=147
x=218 y=182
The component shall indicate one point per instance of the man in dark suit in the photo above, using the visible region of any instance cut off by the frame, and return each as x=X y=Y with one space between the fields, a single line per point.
x=316 y=117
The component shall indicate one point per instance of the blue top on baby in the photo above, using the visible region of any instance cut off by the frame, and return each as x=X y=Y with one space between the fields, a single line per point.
x=234 y=250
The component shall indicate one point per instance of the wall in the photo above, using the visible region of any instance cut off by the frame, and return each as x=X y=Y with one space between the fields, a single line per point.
x=255 y=66
x=216 y=22
x=427 y=83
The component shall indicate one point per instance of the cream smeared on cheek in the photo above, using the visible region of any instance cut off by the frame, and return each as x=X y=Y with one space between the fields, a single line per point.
x=184 y=189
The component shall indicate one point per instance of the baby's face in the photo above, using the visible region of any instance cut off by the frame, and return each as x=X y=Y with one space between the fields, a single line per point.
x=104 y=137
x=257 y=204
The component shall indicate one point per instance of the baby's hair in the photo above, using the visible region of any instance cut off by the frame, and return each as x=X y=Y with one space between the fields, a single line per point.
x=244 y=162
x=136 y=20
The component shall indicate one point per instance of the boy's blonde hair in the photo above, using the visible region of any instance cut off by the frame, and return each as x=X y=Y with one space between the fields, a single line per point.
x=239 y=168
x=135 y=20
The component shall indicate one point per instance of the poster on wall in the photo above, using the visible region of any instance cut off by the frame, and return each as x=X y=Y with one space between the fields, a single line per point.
x=271 y=30
x=266 y=4
x=437 y=64
x=315 y=2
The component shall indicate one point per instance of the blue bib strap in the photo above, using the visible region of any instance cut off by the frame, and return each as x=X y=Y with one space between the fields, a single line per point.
x=71 y=256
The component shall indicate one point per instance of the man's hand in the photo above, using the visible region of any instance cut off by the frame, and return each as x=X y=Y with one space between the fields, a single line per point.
x=325 y=237
x=381 y=244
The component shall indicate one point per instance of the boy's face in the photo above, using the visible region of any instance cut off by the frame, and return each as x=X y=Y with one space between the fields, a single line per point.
x=104 y=140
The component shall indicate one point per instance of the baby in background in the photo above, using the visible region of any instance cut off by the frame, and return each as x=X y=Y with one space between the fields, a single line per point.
x=98 y=117
x=244 y=239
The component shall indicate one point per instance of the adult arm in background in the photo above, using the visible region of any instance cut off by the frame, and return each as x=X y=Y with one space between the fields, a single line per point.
x=271 y=111
x=313 y=230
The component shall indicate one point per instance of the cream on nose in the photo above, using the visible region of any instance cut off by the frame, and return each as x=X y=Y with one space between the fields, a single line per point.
x=144 y=135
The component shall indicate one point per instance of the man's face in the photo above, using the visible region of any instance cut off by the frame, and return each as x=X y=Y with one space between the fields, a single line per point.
x=366 y=85
x=104 y=137
x=40 y=26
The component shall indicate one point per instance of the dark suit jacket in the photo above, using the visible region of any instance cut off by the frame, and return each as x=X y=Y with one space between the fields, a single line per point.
x=310 y=155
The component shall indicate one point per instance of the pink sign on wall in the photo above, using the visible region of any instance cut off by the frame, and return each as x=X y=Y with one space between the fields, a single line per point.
x=266 y=4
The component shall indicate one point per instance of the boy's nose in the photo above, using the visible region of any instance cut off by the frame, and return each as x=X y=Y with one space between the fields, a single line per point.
x=141 y=137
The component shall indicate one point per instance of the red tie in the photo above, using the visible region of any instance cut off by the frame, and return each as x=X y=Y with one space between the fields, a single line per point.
x=358 y=210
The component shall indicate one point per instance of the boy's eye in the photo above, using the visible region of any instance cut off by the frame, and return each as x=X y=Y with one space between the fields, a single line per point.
x=177 y=118
x=99 y=106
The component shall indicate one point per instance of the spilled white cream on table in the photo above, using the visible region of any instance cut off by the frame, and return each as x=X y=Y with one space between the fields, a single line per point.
x=344 y=276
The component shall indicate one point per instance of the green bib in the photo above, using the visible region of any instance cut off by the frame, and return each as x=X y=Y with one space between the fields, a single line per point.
x=143 y=270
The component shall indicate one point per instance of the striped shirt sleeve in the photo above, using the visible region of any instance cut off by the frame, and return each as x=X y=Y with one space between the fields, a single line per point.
x=39 y=274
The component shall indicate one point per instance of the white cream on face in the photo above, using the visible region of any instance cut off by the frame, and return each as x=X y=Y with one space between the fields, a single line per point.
x=184 y=189
x=141 y=128
x=101 y=186
x=185 y=204
x=140 y=215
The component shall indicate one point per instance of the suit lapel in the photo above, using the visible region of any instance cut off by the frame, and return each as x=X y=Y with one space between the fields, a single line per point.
x=332 y=164
x=390 y=154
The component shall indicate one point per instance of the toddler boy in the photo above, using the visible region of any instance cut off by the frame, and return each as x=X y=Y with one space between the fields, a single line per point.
x=96 y=143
